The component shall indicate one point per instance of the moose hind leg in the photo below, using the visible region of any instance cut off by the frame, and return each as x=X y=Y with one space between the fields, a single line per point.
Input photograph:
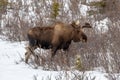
x=29 y=52
x=27 y=56
x=36 y=57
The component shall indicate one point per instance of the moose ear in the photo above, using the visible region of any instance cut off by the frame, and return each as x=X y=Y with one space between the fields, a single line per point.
x=87 y=25
x=77 y=22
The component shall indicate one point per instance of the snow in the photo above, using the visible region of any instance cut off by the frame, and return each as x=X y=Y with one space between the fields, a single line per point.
x=102 y=26
x=13 y=68
x=84 y=9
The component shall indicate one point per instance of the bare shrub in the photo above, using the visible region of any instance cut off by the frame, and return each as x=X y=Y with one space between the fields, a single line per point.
x=102 y=49
x=20 y=15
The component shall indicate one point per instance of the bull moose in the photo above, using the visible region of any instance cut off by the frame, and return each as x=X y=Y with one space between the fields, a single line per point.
x=58 y=36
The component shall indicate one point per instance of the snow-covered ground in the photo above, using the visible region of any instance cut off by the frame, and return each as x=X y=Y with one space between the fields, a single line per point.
x=13 y=68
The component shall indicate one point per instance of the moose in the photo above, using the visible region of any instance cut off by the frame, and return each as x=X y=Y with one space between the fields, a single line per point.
x=55 y=37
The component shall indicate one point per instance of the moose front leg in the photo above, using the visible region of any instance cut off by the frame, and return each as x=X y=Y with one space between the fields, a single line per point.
x=53 y=52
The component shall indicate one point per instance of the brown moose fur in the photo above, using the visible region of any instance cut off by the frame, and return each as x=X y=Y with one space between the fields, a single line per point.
x=59 y=36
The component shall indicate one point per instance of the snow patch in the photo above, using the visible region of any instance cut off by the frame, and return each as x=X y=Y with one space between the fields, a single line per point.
x=12 y=69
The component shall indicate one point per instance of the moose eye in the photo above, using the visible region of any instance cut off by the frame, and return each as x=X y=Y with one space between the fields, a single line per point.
x=78 y=31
